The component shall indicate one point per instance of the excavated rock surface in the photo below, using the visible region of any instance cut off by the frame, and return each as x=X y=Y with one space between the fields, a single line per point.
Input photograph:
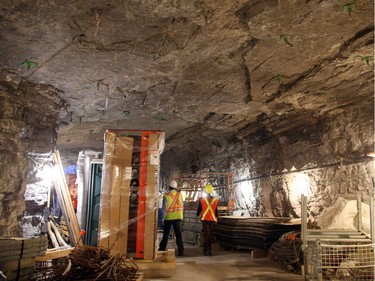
x=28 y=119
x=195 y=69
x=260 y=88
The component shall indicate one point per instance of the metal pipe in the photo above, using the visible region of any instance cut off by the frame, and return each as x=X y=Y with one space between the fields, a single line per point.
x=359 y=210
x=303 y=232
x=304 y=219
x=260 y=177
x=372 y=226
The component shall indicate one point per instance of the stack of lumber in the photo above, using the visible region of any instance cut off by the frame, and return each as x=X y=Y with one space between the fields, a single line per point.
x=251 y=232
x=17 y=256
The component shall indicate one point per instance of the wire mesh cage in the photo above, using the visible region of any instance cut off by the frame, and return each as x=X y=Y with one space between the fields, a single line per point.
x=339 y=261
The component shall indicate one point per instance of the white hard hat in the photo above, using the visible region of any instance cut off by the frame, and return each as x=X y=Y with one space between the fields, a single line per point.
x=173 y=184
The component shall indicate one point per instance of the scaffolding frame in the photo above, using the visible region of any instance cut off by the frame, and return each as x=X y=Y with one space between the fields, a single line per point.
x=193 y=185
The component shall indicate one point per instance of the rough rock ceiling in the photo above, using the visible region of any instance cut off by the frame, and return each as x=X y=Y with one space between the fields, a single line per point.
x=195 y=69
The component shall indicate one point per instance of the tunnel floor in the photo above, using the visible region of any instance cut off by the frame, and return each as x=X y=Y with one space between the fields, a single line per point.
x=224 y=265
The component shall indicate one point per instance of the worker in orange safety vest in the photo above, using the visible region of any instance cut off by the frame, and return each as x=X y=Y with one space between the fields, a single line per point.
x=207 y=210
x=172 y=215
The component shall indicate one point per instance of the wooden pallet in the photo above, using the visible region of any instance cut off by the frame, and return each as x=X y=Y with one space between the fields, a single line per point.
x=138 y=277
x=159 y=267
x=51 y=254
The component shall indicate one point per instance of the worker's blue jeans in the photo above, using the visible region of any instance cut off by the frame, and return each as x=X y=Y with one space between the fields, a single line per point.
x=177 y=231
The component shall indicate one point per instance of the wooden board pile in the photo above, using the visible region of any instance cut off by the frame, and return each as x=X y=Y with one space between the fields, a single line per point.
x=251 y=232
x=17 y=256
x=88 y=263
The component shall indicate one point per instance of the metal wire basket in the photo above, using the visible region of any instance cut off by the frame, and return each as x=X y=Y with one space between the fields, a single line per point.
x=339 y=261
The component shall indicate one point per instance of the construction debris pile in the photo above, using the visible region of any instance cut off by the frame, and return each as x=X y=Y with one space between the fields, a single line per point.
x=252 y=232
x=287 y=251
x=88 y=263
x=17 y=256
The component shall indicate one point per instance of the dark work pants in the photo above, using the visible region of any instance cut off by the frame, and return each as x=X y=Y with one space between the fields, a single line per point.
x=177 y=231
x=208 y=235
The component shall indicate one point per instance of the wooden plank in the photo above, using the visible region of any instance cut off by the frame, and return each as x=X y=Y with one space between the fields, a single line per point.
x=138 y=277
x=154 y=269
x=114 y=219
x=105 y=197
x=54 y=254
x=166 y=256
x=70 y=216
x=19 y=270
x=16 y=242
x=60 y=198
x=24 y=263
x=17 y=253
x=127 y=152
x=151 y=199
x=144 y=265
x=120 y=195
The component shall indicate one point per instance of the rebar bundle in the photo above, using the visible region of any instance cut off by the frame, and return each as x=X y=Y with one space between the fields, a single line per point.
x=287 y=251
x=91 y=263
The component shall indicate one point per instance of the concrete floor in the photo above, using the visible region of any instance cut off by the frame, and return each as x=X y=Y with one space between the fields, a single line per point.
x=224 y=265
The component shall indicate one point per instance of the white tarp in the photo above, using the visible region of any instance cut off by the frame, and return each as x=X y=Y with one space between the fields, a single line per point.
x=344 y=215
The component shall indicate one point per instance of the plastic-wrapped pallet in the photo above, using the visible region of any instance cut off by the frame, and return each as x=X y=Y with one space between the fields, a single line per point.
x=129 y=195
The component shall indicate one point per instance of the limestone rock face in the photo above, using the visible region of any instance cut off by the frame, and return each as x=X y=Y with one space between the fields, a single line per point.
x=28 y=119
x=324 y=161
x=220 y=67
x=261 y=88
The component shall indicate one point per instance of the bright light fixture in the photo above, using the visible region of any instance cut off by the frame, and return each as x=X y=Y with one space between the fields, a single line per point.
x=300 y=184
x=47 y=174
x=247 y=189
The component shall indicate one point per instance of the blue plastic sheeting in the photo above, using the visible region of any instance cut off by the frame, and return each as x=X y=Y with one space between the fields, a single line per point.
x=71 y=170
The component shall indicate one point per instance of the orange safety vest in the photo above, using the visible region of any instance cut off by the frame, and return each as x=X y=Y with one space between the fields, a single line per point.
x=174 y=205
x=208 y=209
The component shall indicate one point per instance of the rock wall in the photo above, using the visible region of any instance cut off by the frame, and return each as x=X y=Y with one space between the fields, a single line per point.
x=28 y=119
x=324 y=159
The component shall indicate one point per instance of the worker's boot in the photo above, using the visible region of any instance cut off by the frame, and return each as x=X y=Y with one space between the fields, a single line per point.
x=209 y=252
